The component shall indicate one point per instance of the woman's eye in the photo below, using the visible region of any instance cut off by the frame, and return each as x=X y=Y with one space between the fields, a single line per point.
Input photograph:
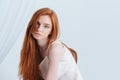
x=46 y=26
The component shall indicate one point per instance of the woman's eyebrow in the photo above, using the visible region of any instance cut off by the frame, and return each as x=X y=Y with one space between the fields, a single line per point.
x=43 y=23
x=46 y=24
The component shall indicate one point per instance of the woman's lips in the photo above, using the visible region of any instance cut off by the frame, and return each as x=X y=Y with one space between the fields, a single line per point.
x=37 y=34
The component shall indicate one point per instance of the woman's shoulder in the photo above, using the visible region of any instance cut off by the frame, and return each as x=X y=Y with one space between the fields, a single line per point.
x=56 y=48
x=56 y=44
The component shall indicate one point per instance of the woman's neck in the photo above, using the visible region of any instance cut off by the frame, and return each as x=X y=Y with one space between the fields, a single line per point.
x=43 y=44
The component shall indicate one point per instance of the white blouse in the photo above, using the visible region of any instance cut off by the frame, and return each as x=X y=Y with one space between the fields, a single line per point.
x=68 y=69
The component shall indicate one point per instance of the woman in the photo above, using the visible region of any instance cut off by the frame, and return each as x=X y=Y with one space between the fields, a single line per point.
x=43 y=57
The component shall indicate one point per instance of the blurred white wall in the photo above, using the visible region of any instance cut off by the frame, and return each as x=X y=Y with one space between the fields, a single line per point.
x=91 y=27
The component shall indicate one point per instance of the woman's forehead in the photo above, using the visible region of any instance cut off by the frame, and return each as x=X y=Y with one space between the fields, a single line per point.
x=45 y=19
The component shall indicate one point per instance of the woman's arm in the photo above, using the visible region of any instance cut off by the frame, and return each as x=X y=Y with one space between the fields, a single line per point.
x=56 y=51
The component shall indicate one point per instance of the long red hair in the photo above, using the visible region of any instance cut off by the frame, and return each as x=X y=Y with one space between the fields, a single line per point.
x=30 y=56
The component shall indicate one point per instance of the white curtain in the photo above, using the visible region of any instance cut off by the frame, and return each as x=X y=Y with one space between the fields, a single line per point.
x=13 y=16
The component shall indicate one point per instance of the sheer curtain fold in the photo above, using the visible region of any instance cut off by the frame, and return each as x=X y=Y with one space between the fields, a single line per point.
x=14 y=15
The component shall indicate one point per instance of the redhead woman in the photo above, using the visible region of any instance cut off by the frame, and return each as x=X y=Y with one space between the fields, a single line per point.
x=43 y=56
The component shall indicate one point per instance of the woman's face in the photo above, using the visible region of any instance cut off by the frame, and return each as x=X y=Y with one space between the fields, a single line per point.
x=43 y=28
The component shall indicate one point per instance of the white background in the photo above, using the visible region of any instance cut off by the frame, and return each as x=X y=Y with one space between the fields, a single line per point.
x=91 y=27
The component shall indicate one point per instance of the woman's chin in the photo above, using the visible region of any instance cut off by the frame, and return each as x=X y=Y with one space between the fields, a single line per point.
x=37 y=38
